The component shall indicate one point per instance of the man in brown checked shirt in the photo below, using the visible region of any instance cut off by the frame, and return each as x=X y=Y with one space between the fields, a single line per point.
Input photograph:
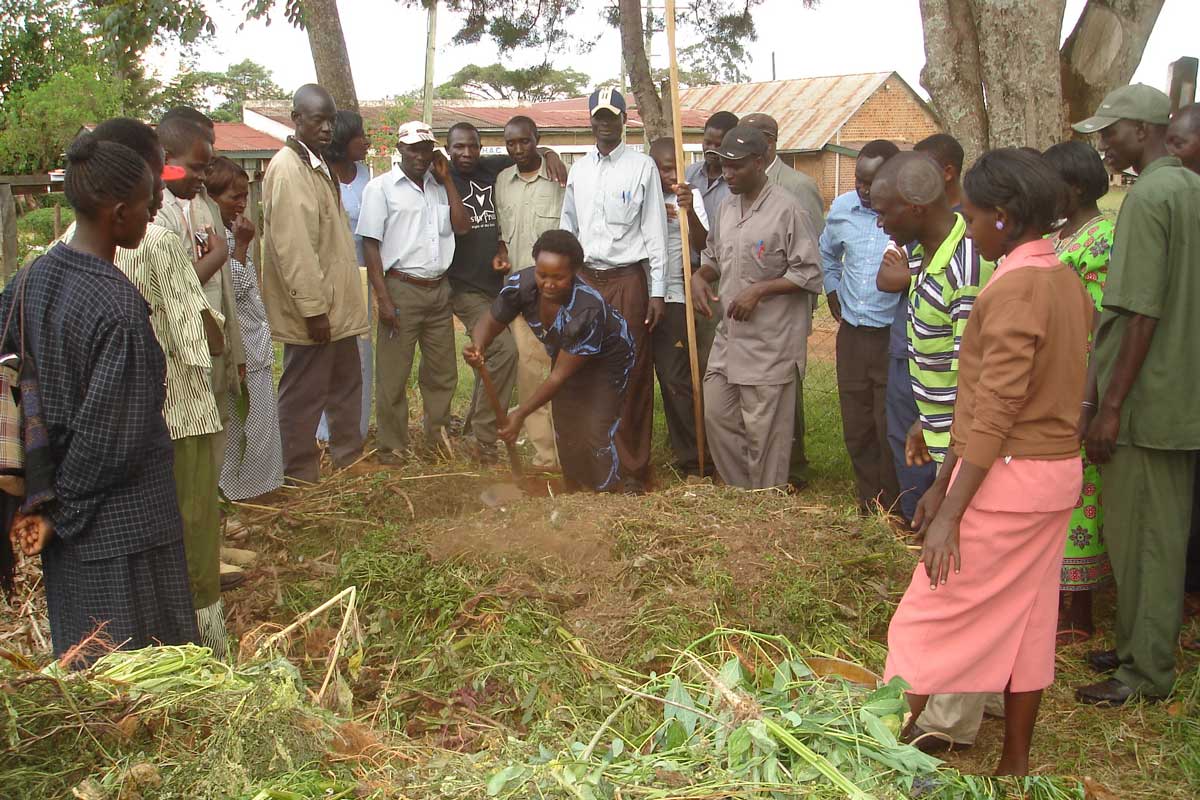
x=764 y=252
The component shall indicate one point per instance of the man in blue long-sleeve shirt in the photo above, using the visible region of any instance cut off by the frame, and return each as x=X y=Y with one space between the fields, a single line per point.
x=852 y=247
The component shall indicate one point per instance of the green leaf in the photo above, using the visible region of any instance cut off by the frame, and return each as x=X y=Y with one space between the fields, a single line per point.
x=739 y=747
x=681 y=707
x=731 y=673
x=878 y=731
x=512 y=774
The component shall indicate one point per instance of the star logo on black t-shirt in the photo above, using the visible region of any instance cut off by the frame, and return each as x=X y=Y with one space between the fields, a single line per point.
x=480 y=206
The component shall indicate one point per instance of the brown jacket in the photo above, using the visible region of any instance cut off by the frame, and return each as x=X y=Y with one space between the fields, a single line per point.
x=309 y=263
x=1022 y=364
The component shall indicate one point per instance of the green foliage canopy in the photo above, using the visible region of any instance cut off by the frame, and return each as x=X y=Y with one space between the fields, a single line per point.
x=531 y=84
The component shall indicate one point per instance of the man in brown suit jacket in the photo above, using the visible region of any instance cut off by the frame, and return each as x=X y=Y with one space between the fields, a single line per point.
x=312 y=292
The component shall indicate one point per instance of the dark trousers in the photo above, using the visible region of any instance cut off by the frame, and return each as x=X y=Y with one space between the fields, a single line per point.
x=901 y=414
x=798 y=462
x=626 y=290
x=316 y=378
x=1192 y=582
x=862 y=372
x=674 y=371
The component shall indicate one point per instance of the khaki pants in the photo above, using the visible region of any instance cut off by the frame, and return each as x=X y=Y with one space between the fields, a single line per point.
x=533 y=367
x=425 y=320
x=501 y=359
x=959 y=715
x=749 y=431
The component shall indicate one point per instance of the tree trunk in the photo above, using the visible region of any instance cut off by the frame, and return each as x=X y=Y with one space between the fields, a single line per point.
x=329 y=54
x=655 y=122
x=952 y=74
x=1103 y=51
x=1018 y=51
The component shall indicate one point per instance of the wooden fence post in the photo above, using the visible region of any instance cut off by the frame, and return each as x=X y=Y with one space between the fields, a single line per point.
x=8 y=231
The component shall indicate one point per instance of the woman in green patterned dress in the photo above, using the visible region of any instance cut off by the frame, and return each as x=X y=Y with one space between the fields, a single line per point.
x=1084 y=242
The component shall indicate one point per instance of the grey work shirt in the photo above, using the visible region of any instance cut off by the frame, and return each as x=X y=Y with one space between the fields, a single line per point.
x=527 y=209
x=773 y=238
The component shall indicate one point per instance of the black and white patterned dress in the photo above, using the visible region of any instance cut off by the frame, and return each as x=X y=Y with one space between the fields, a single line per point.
x=253 y=451
x=117 y=557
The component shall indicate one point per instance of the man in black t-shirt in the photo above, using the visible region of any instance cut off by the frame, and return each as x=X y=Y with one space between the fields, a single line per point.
x=474 y=284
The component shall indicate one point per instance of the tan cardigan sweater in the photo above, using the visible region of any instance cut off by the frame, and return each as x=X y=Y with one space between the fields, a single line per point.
x=309 y=264
x=1023 y=362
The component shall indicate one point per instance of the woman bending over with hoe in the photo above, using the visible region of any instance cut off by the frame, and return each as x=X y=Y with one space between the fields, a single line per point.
x=591 y=352
x=980 y=615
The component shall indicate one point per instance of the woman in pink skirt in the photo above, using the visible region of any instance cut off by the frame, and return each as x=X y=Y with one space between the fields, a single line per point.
x=980 y=613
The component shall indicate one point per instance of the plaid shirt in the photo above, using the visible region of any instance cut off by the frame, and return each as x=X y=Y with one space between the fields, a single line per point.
x=102 y=389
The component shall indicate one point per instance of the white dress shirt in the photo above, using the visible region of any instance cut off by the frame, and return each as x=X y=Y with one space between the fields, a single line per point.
x=411 y=225
x=615 y=205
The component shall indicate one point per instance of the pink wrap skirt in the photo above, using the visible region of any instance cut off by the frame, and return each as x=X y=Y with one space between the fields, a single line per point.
x=992 y=625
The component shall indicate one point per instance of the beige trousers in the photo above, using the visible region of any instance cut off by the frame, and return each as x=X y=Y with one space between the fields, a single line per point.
x=959 y=715
x=749 y=431
x=533 y=367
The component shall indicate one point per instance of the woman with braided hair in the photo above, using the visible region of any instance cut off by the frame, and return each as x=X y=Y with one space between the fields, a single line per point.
x=108 y=529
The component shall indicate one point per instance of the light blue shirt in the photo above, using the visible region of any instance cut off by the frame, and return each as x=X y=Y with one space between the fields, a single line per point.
x=352 y=194
x=614 y=204
x=852 y=246
x=412 y=226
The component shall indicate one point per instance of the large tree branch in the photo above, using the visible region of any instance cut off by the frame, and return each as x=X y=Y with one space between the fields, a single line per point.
x=633 y=44
x=1103 y=51
x=1018 y=51
x=330 y=57
x=952 y=74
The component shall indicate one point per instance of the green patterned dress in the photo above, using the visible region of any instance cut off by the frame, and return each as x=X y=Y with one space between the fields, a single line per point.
x=1085 y=563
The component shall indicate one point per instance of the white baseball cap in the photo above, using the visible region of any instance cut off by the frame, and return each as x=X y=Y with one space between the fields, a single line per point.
x=415 y=132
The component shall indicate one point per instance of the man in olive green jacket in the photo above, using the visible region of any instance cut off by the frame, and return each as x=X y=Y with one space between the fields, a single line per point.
x=312 y=292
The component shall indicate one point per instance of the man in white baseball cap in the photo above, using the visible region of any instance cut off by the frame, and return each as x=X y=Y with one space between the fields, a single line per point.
x=408 y=221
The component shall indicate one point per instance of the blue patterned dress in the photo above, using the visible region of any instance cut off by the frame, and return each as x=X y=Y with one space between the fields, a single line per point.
x=587 y=410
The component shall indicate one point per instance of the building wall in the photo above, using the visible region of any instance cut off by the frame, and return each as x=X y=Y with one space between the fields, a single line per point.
x=892 y=113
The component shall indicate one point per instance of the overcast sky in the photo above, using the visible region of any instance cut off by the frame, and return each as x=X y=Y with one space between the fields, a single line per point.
x=386 y=40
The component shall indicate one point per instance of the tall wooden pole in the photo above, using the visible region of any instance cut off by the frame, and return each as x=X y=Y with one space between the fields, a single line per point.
x=693 y=355
x=430 y=47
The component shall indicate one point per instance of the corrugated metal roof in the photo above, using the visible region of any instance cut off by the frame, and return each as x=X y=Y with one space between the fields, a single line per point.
x=809 y=110
x=237 y=137
x=561 y=114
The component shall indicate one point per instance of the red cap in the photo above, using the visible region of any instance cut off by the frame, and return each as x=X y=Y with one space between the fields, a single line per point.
x=171 y=172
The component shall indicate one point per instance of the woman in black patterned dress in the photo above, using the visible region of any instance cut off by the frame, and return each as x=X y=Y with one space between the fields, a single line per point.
x=108 y=529
x=591 y=352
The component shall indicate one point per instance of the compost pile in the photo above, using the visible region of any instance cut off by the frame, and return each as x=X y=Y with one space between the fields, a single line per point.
x=737 y=715
x=570 y=647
